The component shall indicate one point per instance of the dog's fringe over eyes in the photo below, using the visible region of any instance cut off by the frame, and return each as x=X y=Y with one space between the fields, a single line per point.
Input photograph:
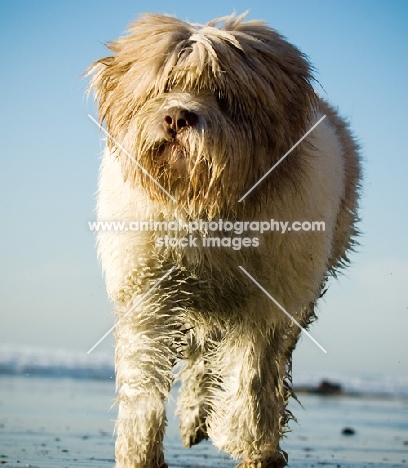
x=207 y=110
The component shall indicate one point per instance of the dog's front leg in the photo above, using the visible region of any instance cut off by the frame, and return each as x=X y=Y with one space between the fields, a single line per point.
x=245 y=420
x=145 y=355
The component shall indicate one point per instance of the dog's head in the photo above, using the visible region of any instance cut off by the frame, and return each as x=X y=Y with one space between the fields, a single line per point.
x=205 y=110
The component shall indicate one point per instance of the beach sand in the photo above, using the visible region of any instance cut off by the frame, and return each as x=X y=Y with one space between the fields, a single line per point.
x=52 y=422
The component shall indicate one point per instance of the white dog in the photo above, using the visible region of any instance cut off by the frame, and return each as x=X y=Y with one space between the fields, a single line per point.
x=197 y=115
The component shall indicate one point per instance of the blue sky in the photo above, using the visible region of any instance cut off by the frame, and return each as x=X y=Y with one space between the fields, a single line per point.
x=51 y=289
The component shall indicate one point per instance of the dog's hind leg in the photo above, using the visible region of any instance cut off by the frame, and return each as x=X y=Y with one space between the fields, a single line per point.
x=145 y=355
x=193 y=402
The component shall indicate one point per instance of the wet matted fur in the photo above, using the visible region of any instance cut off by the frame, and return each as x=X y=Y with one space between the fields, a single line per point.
x=207 y=111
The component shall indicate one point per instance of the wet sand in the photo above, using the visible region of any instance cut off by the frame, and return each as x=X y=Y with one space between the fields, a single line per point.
x=51 y=422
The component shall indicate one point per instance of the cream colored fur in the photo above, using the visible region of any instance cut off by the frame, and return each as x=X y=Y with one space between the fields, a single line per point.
x=251 y=95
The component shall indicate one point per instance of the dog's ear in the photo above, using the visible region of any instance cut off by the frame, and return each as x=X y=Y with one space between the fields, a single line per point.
x=99 y=73
x=105 y=78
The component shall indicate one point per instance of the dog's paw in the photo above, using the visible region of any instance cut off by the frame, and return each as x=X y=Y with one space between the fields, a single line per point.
x=194 y=436
x=280 y=461
x=156 y=461
x=198 y=437
x=193 y=427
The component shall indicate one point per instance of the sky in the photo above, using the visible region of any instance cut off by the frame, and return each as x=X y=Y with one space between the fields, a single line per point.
x=52 y=293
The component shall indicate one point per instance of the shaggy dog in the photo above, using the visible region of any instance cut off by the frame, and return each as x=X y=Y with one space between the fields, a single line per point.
x=196 y=116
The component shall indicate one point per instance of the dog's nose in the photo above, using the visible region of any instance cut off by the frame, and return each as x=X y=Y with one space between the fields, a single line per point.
x=177 y=118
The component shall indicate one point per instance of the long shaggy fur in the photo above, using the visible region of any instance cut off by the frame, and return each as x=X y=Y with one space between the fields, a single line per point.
x=248 y=97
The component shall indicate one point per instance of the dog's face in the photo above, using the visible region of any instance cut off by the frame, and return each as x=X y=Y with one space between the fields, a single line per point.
x=206 y=110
